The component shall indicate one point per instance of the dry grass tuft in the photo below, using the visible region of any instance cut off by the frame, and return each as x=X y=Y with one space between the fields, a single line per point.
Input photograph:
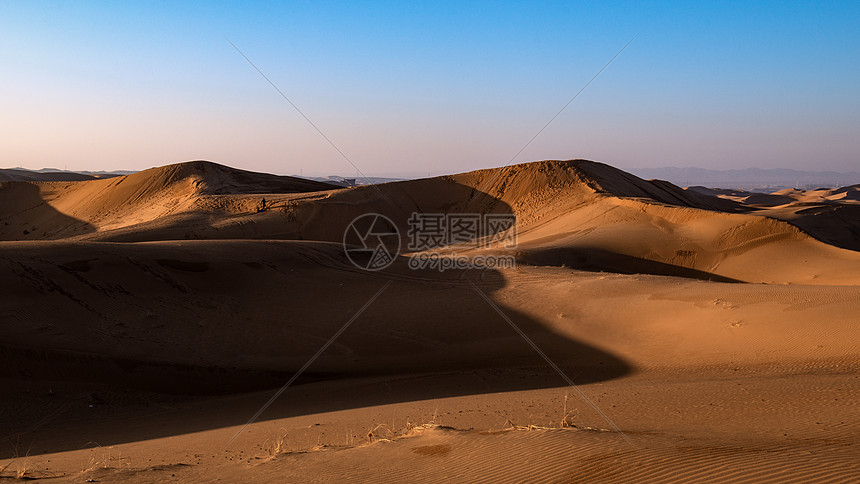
x=107 y=460
x=567 y=417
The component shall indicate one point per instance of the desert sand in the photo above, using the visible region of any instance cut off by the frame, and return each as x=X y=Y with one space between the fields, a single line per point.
x=712 y=335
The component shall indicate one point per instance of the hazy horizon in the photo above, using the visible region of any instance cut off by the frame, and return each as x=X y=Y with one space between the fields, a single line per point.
x=644 y=172
x=746 y=179
x=439 y=88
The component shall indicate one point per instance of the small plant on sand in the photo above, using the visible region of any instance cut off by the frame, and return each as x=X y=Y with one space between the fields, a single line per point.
x=567 y=416
x=103 y=458
x=567 y=421
x=22 y=470
x=278 y=446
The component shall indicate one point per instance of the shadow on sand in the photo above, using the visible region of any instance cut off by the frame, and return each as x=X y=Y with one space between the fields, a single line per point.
x=593 y=259
x=103 y=324
x=24 y=215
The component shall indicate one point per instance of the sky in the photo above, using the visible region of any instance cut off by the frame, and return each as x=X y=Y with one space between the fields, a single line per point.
x=415 y=89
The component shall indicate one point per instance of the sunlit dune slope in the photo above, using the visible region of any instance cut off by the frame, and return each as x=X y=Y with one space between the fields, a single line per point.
x=591 y=216
x=53 y=210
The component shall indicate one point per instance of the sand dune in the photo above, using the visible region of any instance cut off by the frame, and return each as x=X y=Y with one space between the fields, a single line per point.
x=147 y=317
x=829 y=215
x=581 y=214
x=131 y=199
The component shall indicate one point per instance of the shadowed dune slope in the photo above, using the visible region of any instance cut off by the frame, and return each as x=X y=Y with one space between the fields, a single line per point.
x=253 y=306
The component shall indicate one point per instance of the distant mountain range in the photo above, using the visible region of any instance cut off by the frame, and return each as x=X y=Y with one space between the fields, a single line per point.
x=752 y=179
x=349 y=182
x=53 y=174
x=97 y=173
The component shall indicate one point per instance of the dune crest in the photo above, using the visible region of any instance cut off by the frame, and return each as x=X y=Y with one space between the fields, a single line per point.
x=577 y=213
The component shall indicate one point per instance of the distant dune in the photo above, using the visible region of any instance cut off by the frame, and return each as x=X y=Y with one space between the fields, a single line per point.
x=12 y=174
x=830 y=215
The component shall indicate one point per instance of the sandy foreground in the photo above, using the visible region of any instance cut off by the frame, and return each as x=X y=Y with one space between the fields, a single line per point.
x=710 y=336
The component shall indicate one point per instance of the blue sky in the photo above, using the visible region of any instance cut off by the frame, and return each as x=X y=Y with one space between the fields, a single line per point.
x=408 y=89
